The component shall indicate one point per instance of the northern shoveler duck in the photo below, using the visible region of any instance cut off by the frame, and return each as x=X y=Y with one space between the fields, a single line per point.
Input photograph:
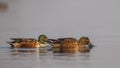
x=84 y=44
x=64 y=45
x=70 y=45
x=28 y=42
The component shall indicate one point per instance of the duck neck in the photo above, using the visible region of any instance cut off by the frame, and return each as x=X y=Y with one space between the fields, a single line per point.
x=41 y=41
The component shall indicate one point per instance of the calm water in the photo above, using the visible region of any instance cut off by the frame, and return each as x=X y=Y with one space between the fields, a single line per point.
x=105 y=54
x=99 y=20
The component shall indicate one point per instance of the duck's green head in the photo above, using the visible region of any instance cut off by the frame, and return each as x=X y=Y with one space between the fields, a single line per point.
x=42 y=39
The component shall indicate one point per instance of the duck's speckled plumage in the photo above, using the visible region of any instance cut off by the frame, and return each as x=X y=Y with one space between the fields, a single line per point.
x=65 y=45
x=27 y=42
x=71 y=45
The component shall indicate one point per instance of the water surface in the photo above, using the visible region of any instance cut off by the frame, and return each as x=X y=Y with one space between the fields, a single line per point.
x=98 y=20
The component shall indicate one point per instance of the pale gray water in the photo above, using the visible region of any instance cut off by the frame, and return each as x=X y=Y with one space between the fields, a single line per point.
x=99 y=20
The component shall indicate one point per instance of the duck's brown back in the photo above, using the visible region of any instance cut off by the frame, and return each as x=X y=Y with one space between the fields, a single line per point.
x=69 y=45
x=24 y=43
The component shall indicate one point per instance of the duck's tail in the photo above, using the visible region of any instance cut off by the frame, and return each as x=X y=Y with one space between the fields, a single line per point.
x=51 y=40
x=10 y=43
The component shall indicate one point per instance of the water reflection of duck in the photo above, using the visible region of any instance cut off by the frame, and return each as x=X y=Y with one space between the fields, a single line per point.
x=28 y=42
x=70 y=45
x=28 y=50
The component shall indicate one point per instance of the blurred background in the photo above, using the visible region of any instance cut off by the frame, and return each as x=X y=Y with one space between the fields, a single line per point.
x=59 y=18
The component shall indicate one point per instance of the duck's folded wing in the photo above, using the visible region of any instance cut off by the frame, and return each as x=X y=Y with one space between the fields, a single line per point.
x=22 y=39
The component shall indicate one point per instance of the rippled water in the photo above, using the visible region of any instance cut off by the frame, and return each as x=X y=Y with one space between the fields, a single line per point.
x=99 y=20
